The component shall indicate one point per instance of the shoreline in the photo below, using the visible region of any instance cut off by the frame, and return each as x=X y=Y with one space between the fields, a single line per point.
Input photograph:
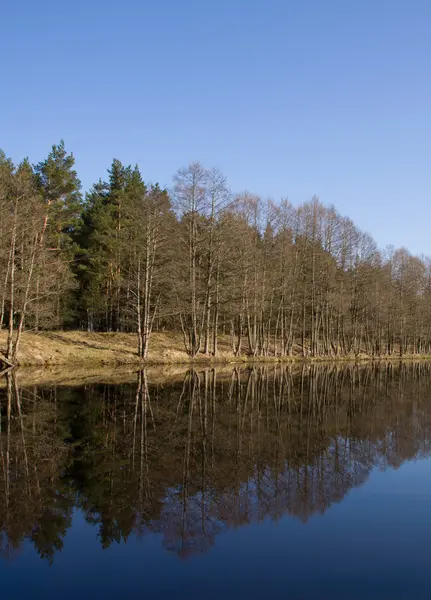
x=78 y=349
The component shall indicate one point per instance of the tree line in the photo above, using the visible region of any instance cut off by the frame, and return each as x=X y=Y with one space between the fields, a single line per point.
x=273 y=278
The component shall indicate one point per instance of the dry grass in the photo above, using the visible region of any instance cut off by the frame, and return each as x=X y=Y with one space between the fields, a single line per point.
x=82 y=348
x=59 y=348
x=95 y=350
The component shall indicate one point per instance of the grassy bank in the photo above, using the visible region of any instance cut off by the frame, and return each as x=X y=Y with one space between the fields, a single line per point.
x=80 y=348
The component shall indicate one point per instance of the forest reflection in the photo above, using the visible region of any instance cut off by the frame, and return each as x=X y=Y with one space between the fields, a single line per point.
x=188 y=459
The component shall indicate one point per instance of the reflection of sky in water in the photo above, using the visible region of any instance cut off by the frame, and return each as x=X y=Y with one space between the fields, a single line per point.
x=374 y=544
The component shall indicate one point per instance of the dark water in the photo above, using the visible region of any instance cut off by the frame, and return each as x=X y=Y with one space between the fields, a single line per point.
x=273 y=482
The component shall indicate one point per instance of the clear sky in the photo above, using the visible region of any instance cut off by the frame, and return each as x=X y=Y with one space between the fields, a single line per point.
x=288 y=97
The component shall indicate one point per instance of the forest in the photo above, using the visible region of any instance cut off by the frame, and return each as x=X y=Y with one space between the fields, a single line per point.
x=274 y=278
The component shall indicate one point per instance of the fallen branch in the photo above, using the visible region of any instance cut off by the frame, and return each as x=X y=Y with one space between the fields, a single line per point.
x=5 y=361
x=4 y=371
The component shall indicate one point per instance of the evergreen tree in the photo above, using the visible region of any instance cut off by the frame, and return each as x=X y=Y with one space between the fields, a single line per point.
x=100 y=240
x=59 y=187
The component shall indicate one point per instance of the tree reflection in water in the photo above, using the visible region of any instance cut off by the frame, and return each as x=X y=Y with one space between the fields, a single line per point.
x=188 y=459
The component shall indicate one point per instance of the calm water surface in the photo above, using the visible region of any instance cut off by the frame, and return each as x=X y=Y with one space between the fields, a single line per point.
x=271 y=482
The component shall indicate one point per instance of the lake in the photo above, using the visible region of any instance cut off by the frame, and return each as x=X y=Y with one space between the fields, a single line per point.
x=309 y=481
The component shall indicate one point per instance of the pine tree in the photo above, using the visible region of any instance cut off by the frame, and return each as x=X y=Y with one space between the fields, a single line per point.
x=59 y=187
x=100 y=240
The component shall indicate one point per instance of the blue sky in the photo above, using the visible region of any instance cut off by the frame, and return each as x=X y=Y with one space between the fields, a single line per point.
x=289 y=98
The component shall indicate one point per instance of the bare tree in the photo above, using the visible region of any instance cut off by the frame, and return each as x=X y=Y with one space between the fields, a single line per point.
x=191 y=204
x=148 y=217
